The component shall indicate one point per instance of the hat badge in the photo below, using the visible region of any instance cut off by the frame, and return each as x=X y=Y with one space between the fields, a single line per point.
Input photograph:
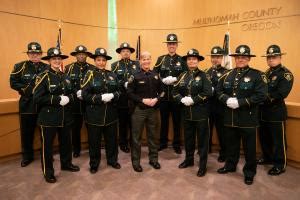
x=191 y=52
x=242 y=50
x=33 y=47
x=215 y=50
x=125 y=45
x=80 y=48
x=171 y=37
x=102 y=51
x=56 y=52
x=271 y=50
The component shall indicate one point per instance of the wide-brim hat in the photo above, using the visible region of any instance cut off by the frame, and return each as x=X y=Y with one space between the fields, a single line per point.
x=216 y=51
x=80 y=49
x=172 y=38
x=54 y=52
x=34 y=47
x=125 y=45
x=101 y=52
x=193 y=53
x=242 y=50
x=273 y=50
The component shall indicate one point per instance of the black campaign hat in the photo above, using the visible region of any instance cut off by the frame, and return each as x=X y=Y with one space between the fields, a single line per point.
x=273 y=50
x=54 y=52
x=243 y=50
x=101 y=52
x=125 y=45
x=34 y=47
x=193 y=53
x=216 y=51
x=80 y=49
x=172 y=38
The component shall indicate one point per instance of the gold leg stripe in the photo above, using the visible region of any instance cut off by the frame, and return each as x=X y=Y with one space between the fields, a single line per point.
x=43 y=151
x=283 y=141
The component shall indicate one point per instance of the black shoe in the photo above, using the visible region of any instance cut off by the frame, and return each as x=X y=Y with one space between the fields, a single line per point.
x=177 y=150
x=155 y=164
x=76 y=155
x=201 y=172
x=225 y=170
x=26 y=162
x=137 y=168
x=262 y=161
x=221 y=159
x=93 y=170
x=248 y=180
x=162 y=147
x=115 y=165
x=275 y=171
x=125 y=148
x=186 y=163
x=50 y=178
x=70 y=168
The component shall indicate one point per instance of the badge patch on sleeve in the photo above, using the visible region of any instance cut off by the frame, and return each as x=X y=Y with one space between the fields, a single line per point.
x=288 y=76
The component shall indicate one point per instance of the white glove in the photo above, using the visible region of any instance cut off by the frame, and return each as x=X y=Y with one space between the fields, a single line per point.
x=126 y=84
x=232 y=103
x=173 y=79
x=189 y=101
x=107 y=97
x=183 y=100
x=78 y=93
x=165 y=81
x=64 y=100
x=213 y=89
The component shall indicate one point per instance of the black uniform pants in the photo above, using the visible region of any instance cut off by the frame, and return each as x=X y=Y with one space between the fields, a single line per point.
x=124 y=126
x=233 y=138
x=201 y=130
x=273 y=142
x=111 y=146
x=76 y=133
x=167 y=108
x=27 y=126
x=217 y=121
x=65 y=147
x=140 y=118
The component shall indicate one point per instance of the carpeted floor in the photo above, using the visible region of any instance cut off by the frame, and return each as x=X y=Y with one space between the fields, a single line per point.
x=170 y=182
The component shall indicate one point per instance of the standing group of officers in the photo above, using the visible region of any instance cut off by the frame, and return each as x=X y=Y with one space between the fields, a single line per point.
x=118 y=104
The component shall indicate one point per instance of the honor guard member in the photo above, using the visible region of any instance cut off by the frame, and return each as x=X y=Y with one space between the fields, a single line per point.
x=216 y=108
x=124 y=68
x=169 y=67
x=193 y=90
x=53 y=93
x=76 y=72
x=22 y=79
x=100 y=91
x=241 y=90
x=144 y=89
x=274 y=112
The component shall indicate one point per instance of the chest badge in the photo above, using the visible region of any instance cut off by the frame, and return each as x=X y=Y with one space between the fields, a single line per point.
x=156 y=77
x=197 y=78
x=178 y=64
x=219 y=74
x=274 y=78
x=111 y=78
x=247 y=79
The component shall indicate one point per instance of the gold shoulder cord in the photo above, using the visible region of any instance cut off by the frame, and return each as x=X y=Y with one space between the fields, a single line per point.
x=70 y=68
x=87 y=79
x=22 y=68
x=39 y=81
x=180 y=79
x=162 y=60
x=117 y=67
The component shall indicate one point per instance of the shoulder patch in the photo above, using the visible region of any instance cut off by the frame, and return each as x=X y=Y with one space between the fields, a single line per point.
x=288 y=76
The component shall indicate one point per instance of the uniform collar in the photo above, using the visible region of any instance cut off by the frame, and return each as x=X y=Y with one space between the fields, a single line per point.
x=276 y=68
x=54 y=72
x=242 y=69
